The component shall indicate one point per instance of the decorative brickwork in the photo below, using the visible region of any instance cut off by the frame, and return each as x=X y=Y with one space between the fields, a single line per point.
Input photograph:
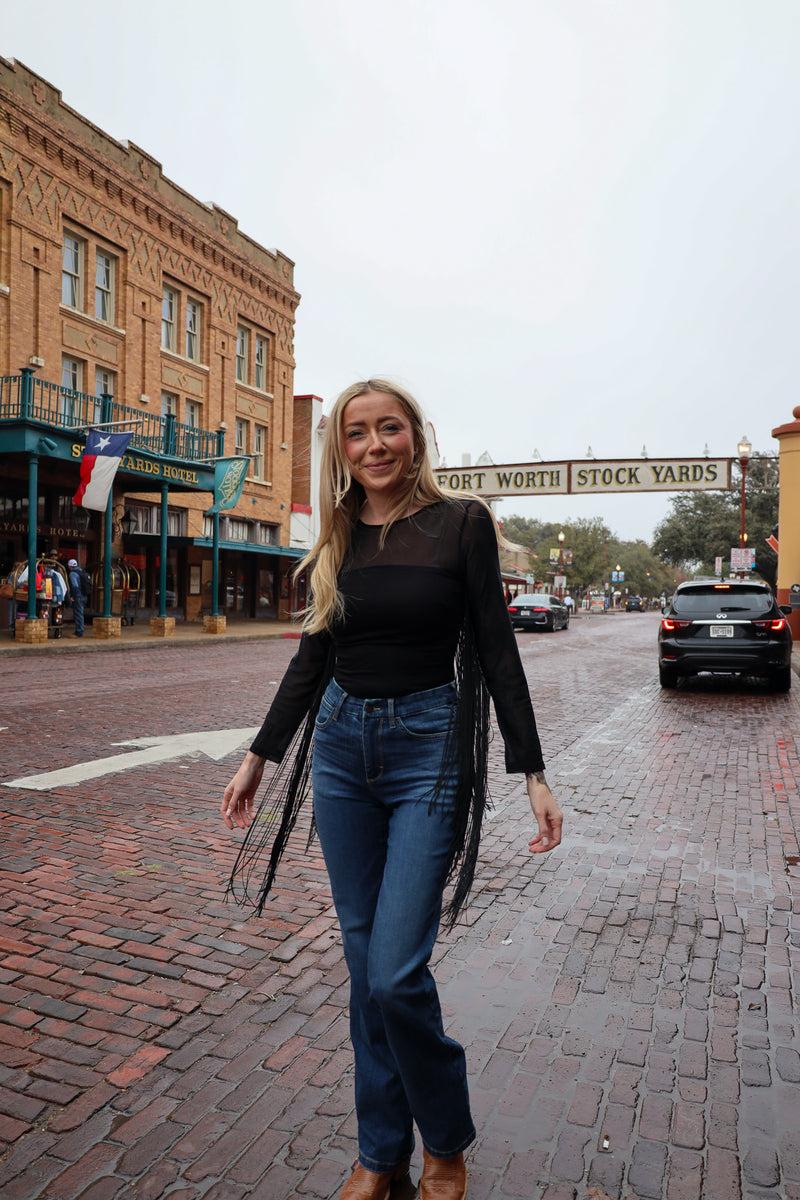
x=217 y=624
x=60 y=176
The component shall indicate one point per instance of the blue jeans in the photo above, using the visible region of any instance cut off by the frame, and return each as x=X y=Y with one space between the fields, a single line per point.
x=376 y=763
x=77 y=613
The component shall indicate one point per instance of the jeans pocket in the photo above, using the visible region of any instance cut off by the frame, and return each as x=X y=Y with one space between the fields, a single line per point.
x=328 y=711
x=429 y=722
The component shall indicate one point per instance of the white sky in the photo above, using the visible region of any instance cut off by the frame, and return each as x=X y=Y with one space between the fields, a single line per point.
x=557 y=222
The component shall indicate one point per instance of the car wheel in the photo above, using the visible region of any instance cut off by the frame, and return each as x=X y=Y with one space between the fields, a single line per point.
x=782 y=679
x=668 y=676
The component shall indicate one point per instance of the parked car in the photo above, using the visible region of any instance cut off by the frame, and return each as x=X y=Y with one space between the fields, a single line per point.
x=634 y=604
x=538 y=612
x=733 y=628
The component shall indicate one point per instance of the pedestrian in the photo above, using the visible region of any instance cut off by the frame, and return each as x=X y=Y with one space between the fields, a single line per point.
x=76 y=595
x=569 y=603
x=406 y=629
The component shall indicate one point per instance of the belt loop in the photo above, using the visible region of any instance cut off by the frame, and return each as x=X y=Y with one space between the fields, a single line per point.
x=392 y=722
x=339 y=705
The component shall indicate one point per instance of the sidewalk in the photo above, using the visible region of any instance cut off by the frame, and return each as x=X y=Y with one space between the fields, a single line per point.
x=138 y=637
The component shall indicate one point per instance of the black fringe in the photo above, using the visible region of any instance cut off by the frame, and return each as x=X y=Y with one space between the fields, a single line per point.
x=277 y=814
x=467 y=758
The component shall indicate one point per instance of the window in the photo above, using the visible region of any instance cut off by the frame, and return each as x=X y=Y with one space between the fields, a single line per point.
x=169 y=404
x=103 y=382
x=71 y=374
x=193 y=414
x=104 y=287
x=259 y=444
x=260 y=377
x=169 y=307
x=69 y=403
x=242 y=346
x=268 y=534
x=240 y=439
x=238 y=531
x=72 y=272
x=193 y=330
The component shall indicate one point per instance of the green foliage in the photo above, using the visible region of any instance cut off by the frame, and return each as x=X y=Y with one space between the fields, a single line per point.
x=704 y=525
x=596 y=552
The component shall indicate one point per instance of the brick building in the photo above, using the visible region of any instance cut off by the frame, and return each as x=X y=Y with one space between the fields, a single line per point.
x=123 y=297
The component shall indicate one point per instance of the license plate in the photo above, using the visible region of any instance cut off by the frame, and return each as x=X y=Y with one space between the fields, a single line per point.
x=721 y=631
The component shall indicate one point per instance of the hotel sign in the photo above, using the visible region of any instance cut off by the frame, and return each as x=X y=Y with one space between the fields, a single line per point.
x=152 y=468
x=590 y=476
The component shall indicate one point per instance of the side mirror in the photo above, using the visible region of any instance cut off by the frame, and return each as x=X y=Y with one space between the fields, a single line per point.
x=786 y=609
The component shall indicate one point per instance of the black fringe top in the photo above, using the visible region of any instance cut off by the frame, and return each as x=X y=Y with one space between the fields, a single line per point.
x=426 y=607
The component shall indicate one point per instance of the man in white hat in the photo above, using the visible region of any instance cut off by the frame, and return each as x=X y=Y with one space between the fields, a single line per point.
x=76 y=595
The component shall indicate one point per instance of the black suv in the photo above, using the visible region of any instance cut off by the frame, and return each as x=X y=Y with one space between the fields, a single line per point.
x=734 y=627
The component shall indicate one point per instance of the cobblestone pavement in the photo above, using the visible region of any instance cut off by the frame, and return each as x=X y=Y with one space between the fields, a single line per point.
x=629 y=1003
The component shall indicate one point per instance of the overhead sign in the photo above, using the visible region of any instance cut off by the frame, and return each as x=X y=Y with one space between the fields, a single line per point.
x=586 y=477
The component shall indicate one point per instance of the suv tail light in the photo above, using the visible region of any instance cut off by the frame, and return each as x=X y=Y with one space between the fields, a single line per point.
x=669 y=623
x=775 y=625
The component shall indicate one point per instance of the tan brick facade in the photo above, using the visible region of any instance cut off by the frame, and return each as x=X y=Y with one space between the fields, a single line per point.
x=59 y=173
x=119 y=281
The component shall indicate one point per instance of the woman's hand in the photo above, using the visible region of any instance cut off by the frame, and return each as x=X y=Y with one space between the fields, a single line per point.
x=547 y=813
x=239 y=797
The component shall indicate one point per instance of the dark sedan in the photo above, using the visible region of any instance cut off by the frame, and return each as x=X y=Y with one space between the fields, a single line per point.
x=634 y=604
x=731 y=628
x=538 y=612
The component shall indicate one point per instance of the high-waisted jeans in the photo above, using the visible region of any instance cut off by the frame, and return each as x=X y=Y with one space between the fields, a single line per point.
x=375 y=768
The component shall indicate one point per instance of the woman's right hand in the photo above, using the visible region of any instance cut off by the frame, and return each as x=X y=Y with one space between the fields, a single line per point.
x=239 y=796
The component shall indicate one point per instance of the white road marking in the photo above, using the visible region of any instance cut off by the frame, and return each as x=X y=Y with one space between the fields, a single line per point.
x=215 y=743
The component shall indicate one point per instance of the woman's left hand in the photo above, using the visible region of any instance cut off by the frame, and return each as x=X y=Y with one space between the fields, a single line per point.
x=547 y=813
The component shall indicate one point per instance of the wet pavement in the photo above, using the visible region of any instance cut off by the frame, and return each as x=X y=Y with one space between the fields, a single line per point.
x=629 y=1003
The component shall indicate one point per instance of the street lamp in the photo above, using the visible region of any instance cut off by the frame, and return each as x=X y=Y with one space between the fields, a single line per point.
x=126 y=525
x=561 y=562
x=744 y=449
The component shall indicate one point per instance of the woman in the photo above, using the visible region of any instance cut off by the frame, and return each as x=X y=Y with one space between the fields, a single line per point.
x=406 y=628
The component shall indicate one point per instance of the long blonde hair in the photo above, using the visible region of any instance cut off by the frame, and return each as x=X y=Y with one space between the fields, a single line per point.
x=341 y=498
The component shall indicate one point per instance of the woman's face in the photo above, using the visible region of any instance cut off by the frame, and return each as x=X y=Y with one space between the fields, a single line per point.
x=379 y=443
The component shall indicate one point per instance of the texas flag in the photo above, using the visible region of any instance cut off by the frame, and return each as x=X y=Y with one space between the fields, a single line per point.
x=101 y=458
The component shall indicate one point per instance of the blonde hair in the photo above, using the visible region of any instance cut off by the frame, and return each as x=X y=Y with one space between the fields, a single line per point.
x=342 y=497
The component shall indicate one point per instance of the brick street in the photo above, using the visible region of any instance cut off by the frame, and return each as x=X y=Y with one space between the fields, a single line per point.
x=629 y=1003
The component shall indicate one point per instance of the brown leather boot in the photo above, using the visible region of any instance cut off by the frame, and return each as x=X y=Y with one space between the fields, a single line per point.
x=373 y=1185
x=443 y=1178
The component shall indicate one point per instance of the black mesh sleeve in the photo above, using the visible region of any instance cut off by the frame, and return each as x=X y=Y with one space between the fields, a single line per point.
x=497 y=645
x=293 y=698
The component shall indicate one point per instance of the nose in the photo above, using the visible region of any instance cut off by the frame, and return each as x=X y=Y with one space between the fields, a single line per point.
x=375 y=441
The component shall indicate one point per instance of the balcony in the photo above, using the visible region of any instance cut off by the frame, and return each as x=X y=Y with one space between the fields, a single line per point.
x=24 y=398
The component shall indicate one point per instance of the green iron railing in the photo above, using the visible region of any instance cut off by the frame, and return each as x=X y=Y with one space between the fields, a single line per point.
x=50 y=404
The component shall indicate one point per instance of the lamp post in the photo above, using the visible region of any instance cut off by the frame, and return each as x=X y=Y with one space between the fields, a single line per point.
x=561 y=563
x=744 y=448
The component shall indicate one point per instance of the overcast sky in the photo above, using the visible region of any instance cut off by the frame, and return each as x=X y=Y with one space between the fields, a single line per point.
x=559 y=223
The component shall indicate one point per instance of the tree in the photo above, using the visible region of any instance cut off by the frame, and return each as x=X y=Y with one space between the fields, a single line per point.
x=705 y=525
